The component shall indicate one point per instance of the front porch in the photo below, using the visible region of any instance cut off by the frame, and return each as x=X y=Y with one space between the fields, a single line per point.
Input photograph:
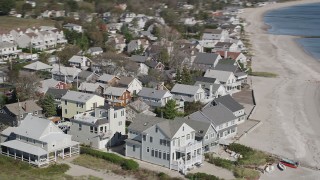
x=35 y=155
x=185 y=158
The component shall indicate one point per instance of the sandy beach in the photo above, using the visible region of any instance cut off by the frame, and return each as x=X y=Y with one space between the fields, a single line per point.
x=289 y=105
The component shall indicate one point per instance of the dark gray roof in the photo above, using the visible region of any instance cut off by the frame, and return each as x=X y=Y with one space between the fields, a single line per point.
x=152 y=64
x=138 y=58
x=125 y=80
x=142 y=122
x=57 y=93
x=170 y=127
x=84 y=74
x=228 y=102
x=226 y=67
x=184 y=89
x=205 y=58
x=200 y=127
x=152 y=93
x=216 y=114
x=223 y=44
x=206 y=79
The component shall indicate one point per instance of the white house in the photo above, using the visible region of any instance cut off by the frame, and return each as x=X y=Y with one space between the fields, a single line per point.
x=155 y=97
x=167 y=143
x=81 y=62
x=188 y=92
x=227 y=78
x=73 y=27
x=100 y=128
x=133 y=85
x=8 y=51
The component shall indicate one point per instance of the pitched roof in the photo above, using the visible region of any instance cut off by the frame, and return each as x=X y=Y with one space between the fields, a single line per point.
x=6 y=44
x=224 y=65
x=106 y=77
x=139 y=105
x=76 y=59
x=152 y=64
x=231 y=55
x=222 y=76
x=153 y=93
x=138 y=58
x=223 y=44
x=23 y=107
x=84 y=74
x=200 y=127
x=142 y=122
x=68 y=71
x=114 y=91
x=37 y=66
x=216 y=114
x=185 y=89
x=47 y=83
x=78 y=96
x=228 y=102
x=125 y=80
x=57 y=93
x=170 y=127
x=89 y=87
x=206 y=79
x=206 y=58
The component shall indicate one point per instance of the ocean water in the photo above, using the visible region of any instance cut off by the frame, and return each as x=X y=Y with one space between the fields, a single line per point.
x=302 y=20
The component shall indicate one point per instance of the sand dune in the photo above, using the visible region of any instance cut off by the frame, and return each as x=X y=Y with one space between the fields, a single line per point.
x=288 y=106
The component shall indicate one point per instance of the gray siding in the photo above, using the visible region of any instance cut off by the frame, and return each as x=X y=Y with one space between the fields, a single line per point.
x=210 y=142
x=133 y=152
x=155 y=145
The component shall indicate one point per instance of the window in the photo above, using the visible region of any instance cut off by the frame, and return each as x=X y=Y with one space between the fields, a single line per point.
x=148 y=149
x=206 y=137
x=232 y=122
x=21 y=116
x=159 y=154
x=160 y=141
x=95 y=130
x=120 y=123
x=168 y=143
x=164 y=155
x=42 y=144
x=168 y=156
x=66 y=111
x=152 y=152
x=134 y=148
x=77 y=104
x=35 y=112
x=212 y=135
x=115 y=115
x=101 y=129
x=182 y=128
x=65 y=102
x=91 y=129
x=156 y=153
x=188 y=136
x=156 y=129
x=80 y=127
x=34 y=141
x=151 y=139
x=144 y=137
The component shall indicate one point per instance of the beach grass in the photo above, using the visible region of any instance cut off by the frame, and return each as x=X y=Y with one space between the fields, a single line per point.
x=263 y=74
x=8 y=23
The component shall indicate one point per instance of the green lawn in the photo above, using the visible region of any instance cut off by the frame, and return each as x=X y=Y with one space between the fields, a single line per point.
x=17 y=170
x=263 y=74
x=8 y=23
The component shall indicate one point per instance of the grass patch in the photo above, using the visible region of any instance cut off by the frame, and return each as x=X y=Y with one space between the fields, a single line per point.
x=9 y=23
x=13 y=169
x=263 y=74
x=96 y=163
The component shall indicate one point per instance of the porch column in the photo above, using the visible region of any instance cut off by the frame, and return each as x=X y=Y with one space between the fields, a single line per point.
x=15 y=156
x=55 y=156
x=7 y=151
x=29 y=159
x=63 y=153
x=22 y=156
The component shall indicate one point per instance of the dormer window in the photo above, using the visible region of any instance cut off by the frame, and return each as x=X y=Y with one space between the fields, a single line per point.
x=156 y=129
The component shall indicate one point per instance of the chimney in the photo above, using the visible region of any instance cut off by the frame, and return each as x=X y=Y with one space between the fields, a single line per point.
x=200 y=86
x=225 y=54
x=210 y=90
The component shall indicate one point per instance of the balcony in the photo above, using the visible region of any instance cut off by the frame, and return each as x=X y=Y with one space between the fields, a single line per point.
x=190 y=147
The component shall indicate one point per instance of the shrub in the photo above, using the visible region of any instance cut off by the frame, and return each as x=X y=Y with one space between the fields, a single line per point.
x=130 y=164
x=239 y=148
x=246 y=173
x=202 y=176
x=224 y=163
x=125 y=163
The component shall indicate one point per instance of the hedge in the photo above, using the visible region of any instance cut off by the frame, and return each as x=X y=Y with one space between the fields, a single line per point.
x=130 y=164
x=127 y=164
x=202 y=176
x=224 y=163
x=246 y=173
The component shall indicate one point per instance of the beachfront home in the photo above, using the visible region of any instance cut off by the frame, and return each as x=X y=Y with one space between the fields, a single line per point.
x=204 y=61
x=188 y=92
x=223 y=120
x=75 y=102
x=99 y=128
x=167 y=143
x=226 y=78
x=211 y=86
x=37 y=141
x=8 y=50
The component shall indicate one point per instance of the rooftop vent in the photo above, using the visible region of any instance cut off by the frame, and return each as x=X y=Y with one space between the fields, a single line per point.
x=145 y=124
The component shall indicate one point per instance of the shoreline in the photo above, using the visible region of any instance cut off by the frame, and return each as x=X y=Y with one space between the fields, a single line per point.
x=287 y=105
